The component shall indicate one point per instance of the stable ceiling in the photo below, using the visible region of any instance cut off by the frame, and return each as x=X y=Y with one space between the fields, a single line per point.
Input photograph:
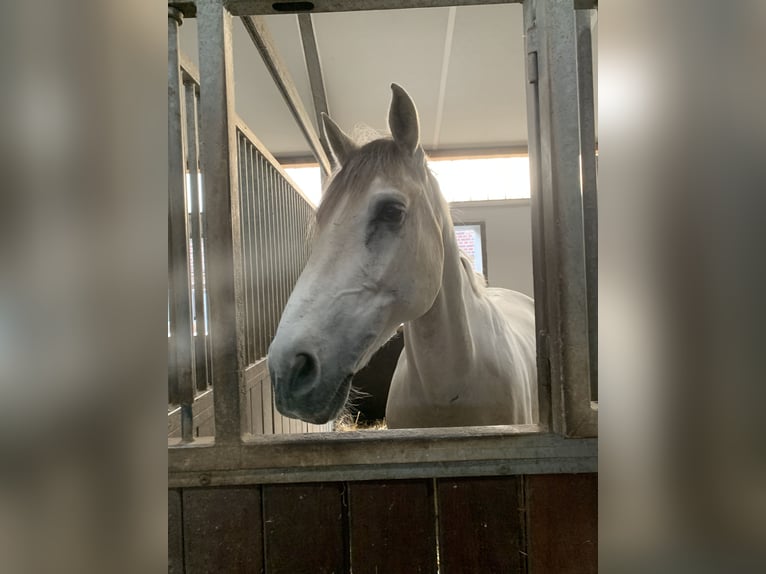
x=463 y=66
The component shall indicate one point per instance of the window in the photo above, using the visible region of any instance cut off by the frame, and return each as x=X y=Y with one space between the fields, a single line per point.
x=470 y=240
x=480 y=179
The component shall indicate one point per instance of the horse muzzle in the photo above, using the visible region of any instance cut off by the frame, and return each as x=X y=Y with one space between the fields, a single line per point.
x=303 y=390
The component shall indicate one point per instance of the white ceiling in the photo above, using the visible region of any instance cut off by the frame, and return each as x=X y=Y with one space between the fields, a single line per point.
x=463 y=66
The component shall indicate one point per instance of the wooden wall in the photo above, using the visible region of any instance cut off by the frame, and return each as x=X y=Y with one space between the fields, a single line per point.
x=522 y=524
x=262 y=415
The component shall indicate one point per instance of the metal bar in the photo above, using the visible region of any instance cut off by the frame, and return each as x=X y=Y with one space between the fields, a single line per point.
x=295 y=266
x=280 y=243
x=203 y=240
x=173 y=392
x=469 y=451
x=245 y=225
x=261 y=37
x=263 y=235
x=250 y=275
x=538 y=222
x=563 y=218
x=295 y=205
x=585 y=20
x=289 y=235
x=268 y=295
x=292 y=233
x=193 y=74
x=265 y=7
x=182 y=355
x=219 y=168
x=290 y=207
x=271 y=297
x=260 y=252
x=253 y=277
x=265 y=152
x=279 y=224
x=195 y=215
x=278 y=246
x=285 y=242
x=316 y=78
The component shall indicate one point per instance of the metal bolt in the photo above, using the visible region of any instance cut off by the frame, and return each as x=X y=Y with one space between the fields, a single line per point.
x=204 y=479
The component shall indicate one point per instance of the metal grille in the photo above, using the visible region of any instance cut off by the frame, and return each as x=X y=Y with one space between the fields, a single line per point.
x=276 y=220
x=196 y=335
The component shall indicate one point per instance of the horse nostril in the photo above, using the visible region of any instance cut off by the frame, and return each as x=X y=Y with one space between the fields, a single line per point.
x=303 y=367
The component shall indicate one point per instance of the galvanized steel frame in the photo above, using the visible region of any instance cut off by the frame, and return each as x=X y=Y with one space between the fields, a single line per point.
x=218 y=154
x=586 y=20
x=242 y=7
x=378 y=455
x=180 y=351
x=259 y=33
x=263 y=7
x=560 y=271
x=557 y=111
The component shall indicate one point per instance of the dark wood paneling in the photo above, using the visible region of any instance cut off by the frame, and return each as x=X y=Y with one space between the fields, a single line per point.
x=305 y=529
x=562 y=523
x=480 y=525
x=393 y=528
x=223 y=530
x=175 y=533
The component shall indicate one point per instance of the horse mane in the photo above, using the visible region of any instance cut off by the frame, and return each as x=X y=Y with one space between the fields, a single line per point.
x=380 y=156
x=476 y=280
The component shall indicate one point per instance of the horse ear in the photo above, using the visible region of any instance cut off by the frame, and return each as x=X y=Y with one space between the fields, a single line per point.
x=403 y=120
x=342 y=146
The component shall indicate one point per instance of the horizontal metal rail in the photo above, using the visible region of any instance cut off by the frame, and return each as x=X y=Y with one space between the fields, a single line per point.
x=257 y=7
x=374 y=455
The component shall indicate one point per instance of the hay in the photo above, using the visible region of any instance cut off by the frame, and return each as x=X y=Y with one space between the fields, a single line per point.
x=347 y=423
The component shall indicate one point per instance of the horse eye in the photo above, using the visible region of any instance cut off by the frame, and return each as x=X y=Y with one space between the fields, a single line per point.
x=391 y=213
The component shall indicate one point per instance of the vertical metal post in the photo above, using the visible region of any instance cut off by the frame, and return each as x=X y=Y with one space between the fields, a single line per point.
x=538 y=222
x=585 y=20
x=260 y=258
x=224 y=247
x=245 y=238
x=556 y=155
x=181 y=354
x=195 y=215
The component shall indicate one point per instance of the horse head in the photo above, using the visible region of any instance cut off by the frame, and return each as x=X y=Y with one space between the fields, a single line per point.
x=376 y=262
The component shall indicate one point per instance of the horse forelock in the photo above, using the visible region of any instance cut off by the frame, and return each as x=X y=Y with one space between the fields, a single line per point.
x=381 y=157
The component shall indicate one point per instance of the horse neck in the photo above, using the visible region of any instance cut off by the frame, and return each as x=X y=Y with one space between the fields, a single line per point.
x=439 y=343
